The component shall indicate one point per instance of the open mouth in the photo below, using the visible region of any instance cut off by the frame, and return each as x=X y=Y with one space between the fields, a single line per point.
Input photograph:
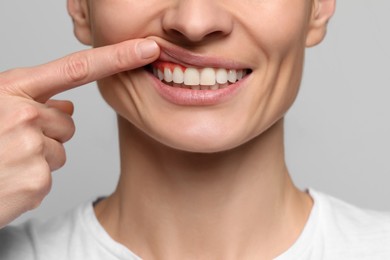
x=176 y=75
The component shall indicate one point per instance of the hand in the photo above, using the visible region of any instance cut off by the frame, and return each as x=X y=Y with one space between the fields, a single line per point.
x=34 y=128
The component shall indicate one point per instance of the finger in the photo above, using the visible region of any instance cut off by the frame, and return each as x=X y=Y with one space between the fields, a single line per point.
x=54 y=153
x=56 y=124
x=65 y=106
x=44 y=81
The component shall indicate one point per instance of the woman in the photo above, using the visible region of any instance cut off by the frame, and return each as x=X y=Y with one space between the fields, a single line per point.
x=200 y=103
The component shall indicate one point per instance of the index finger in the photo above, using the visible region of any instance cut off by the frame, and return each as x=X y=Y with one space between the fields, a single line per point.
x=44 y=81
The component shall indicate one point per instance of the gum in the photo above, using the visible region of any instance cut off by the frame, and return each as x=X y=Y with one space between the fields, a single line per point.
x=161 y=65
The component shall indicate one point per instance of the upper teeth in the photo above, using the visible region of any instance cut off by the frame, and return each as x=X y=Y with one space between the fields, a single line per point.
x=195 y=77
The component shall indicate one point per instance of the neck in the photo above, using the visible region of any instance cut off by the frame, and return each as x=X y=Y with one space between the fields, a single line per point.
x=228 y=205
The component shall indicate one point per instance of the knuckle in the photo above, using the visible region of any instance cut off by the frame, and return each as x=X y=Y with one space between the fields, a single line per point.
x=76 y=68
x=71 y=131
x=121 y=58
x=26 y=113
x=32 y=143
x=68 y=130
x=35 y=203
x=60 y=158
x=39 y=184
x=61 y=163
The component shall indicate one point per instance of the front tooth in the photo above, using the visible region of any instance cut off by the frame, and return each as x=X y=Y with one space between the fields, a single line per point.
x=168 y=77
x=214 y=87
x=224 y=85
x=178 y=75
x=232 y=76
x=160 y=75
x=221 y=76
x=191 y=77
x=207 y=77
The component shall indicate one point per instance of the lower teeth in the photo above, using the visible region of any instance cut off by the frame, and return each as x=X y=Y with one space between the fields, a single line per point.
x=197 y=87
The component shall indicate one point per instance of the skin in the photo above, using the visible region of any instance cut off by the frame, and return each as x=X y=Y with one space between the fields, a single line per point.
x=34 y=128
x=205 y=130
x=208 y=182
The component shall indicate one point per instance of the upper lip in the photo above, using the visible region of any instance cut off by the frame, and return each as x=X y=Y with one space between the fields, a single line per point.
x=175 y=54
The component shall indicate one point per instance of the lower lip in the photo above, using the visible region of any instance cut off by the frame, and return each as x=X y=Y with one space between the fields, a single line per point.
x=190 y=97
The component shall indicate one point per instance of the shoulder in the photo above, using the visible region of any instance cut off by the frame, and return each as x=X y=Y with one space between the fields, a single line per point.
x=15 y=239
x=347 y=230
x=75 y=235
x=49 y=239
x=350 y=218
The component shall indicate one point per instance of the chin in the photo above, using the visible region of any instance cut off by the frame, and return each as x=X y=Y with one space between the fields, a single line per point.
x=200 y=147
x=201 y=142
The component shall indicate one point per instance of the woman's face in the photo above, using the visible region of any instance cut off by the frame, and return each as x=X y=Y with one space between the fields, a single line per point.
x=256 y=44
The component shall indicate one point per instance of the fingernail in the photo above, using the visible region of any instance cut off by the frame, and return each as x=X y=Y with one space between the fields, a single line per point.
x=147 y=49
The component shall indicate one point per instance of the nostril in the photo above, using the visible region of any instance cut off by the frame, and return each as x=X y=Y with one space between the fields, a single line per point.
x=193 y=37
x=196 y=21
x=176 y=33
x=179 y=37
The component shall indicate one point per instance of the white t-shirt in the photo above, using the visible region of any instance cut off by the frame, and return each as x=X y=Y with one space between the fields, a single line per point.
x=335 y=230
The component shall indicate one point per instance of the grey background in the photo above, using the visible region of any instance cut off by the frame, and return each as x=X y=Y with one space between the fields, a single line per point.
x=337 y=133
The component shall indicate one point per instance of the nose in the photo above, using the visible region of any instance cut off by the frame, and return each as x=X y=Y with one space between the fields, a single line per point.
x=197 y=20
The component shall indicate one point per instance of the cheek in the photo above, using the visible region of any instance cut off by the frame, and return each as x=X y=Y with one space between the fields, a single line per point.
x=278 y=33
x=126 y=94
x=120 y=20
x=276 y=26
